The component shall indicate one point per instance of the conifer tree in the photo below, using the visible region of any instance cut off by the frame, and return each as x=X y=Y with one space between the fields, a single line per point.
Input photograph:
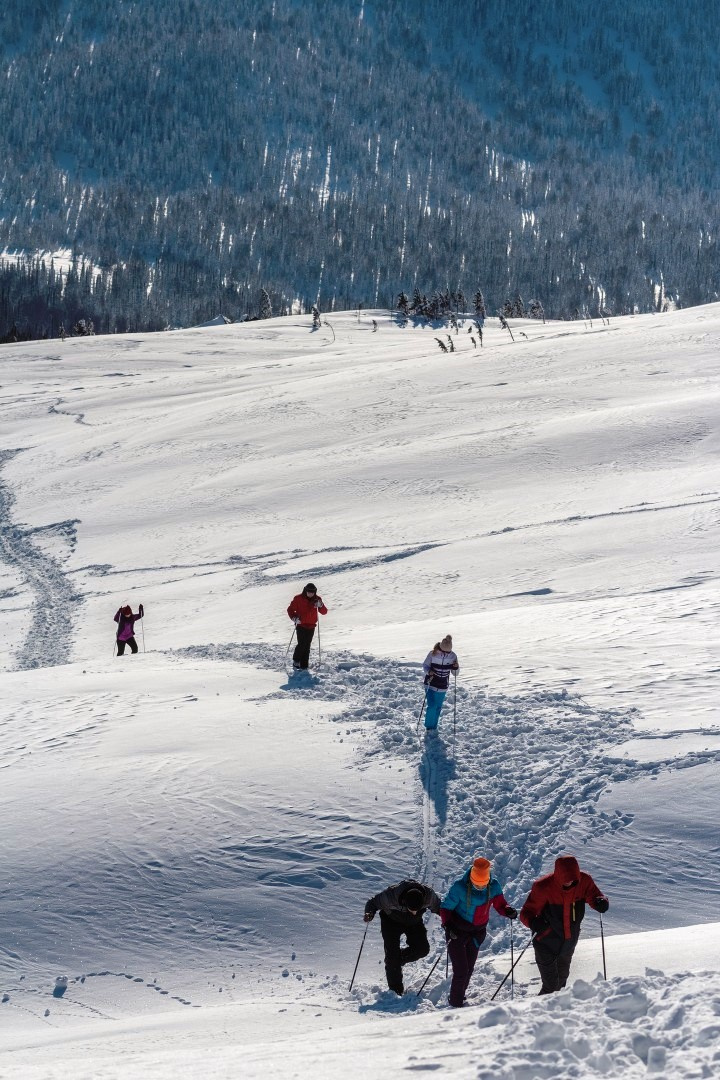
x=265 y=305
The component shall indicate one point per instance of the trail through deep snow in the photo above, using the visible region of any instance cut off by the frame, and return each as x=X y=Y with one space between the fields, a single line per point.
x=518 y=771
x=54 y=598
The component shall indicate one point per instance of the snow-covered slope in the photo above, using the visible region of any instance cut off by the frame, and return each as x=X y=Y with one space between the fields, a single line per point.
x=189 y=835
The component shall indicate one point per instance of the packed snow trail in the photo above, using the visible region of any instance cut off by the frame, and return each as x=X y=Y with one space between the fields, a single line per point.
x=522 y=769
x=48 y=641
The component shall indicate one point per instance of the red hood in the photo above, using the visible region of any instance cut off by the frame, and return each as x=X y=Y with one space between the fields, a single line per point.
x=566 y=869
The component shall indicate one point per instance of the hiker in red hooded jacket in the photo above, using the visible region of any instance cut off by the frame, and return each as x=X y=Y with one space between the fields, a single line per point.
x=553 y=911
x=303 y=611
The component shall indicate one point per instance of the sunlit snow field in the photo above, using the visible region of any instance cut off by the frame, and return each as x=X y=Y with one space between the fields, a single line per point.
x=189 y=835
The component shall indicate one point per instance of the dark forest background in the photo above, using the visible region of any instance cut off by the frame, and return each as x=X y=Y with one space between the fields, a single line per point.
x=190 y=154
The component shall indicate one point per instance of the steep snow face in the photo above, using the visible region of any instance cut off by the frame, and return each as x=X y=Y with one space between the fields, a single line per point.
x=197 y=825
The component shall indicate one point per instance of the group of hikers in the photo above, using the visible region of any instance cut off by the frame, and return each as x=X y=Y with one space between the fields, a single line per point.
x=553 y=911
x=439 y=664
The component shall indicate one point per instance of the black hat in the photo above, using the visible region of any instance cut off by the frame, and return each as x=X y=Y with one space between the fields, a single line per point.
x=310 y=587
x=413 y=898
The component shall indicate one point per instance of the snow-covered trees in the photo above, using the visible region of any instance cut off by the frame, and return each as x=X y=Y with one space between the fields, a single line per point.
x=347 y=186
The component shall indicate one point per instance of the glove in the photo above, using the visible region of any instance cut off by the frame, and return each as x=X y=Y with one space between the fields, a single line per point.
x=296 y=620
x=368 y=916
x=510 y=913
x=141 y=611
x=601 y=904
x=450 y=934
x=318 y=603
x=539 y=924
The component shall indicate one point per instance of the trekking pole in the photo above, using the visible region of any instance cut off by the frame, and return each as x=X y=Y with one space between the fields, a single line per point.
x=454 y=703
x=289 y=644
x=512 y=963
x=142 y=627
x=602 y=942
x=359 y=955
x=515 y=964
x=319 y=650
x=427 y=977
x=422 y=710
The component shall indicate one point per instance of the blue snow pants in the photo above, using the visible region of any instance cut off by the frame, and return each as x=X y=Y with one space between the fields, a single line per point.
x=433 y=708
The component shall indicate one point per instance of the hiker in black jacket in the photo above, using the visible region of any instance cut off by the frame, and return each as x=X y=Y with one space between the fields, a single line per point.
x=401 y=910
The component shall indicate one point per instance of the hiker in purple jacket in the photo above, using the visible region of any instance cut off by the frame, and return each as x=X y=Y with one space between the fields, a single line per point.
x=126 y=628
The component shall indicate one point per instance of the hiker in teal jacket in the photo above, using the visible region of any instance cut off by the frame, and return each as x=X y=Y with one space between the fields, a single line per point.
x=464 y=913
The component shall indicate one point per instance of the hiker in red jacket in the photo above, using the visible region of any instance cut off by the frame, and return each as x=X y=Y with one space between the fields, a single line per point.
x=303 y=611
x=553 y=911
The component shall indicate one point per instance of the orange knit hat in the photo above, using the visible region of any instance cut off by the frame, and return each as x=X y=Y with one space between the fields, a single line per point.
x=480 y=873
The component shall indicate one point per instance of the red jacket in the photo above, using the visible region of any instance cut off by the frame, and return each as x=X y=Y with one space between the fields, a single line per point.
x=555 y=913
x=306 y=610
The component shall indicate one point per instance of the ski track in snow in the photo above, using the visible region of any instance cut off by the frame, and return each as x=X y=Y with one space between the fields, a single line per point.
x=79 y=417
x=705 y=498
x=278 y=566
x=47 y=642
x=519 y=769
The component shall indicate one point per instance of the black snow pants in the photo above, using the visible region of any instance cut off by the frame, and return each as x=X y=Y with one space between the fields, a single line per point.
x=554 y=966
x=131 y=642
x=395 y=957
x=301 y=656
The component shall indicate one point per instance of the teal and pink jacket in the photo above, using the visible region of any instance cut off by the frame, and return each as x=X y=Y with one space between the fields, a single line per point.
x=466 y=908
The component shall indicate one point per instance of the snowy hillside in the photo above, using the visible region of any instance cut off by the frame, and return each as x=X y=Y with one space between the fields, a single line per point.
x=189 y=835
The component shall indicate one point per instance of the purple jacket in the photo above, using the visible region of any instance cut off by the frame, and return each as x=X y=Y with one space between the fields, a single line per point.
x=126 y=624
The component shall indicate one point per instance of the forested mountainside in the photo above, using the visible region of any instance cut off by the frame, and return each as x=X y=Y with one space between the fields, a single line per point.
x=336 y=152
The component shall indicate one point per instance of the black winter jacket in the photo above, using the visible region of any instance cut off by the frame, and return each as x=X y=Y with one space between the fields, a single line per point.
x=391 y=902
